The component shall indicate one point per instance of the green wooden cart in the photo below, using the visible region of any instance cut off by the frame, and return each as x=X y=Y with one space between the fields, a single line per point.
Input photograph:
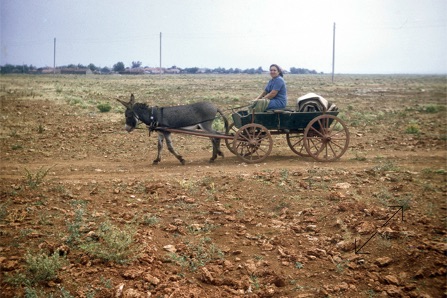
x=320 y=135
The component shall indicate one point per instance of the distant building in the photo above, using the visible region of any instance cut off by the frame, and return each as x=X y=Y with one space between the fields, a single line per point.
x=173 y=70
x=132 y=71
x=76 y=71
x=203 y=70
x=48 y=70
x=153 y=70
x=158 y=70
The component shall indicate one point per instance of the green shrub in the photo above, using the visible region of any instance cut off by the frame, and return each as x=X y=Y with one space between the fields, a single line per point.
x=74 y=226
x=39 y=268
x=4 y=209
x=104 y=107
x=412 y=128
x=197 y=255
x=114 y=245
x=150 y=220
x=16 y=147
x=385 y=166
x=34 y=180
x=432 y=109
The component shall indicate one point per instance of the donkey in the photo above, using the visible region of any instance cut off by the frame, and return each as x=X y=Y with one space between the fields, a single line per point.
x=201 y=114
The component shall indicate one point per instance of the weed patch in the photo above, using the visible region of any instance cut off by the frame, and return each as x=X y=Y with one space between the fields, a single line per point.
x=113 y=244
x=39 y=268
x=412 y=128
x=104 y=107
x=197 y=255
x=33 y=180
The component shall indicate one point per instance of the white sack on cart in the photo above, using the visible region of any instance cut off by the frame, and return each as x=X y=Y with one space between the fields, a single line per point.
x=312 y=102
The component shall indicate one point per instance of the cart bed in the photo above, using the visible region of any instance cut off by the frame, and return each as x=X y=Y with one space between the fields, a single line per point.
x=278 y=120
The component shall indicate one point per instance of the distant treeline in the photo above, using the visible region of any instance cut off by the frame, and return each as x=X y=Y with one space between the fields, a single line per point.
x=136 y=68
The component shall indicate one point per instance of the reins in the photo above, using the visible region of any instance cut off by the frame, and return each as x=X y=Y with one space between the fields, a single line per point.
x=234 y=109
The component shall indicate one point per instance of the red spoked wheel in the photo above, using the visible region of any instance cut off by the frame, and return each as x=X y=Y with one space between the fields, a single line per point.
x=232 y=130
x=326 y=138
x=252 y=143
x=295 y=140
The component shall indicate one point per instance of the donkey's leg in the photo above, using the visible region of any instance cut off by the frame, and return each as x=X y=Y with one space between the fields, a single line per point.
x=171 y=148
x=208 y=126
x=219 y=152
x=159 y=147
x=216 y=149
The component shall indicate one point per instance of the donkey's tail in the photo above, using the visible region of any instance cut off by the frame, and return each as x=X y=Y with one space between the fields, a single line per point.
x=224 y=119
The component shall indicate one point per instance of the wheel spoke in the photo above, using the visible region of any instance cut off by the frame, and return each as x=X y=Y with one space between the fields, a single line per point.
x=323 y=147
x=261 y=149
x=295 y=140
x=325 y=151
x=252 y=157
x=330 y=141
x=323 y=125
x=332 y=149
x=245 y=136
x=315 y=142
x=229 y=142
x=253 y=143
x=317 y=131
x=335 y=143
x=334 y=131
x=299 y=141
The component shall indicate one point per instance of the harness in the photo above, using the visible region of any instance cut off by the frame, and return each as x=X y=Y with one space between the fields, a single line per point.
x=153 y=124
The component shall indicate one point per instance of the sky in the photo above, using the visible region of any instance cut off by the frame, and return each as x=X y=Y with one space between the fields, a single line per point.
x=371 y=36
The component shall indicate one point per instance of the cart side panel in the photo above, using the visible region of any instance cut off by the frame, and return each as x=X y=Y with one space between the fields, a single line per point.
x=277 y=121
x=298 y=120
x=268 y=120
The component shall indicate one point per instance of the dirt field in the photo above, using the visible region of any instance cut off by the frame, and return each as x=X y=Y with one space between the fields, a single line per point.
x=84 y=213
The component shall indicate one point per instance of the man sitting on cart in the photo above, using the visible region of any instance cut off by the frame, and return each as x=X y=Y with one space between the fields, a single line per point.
x=274 y=95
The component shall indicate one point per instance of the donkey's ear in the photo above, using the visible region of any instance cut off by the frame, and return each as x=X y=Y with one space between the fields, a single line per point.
x=132 y=99
x=126 y=104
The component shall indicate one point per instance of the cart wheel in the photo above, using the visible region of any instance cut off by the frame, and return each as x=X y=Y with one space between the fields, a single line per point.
x=252 y=143
x=229 y=142
x=326 y=138
x=295 y=140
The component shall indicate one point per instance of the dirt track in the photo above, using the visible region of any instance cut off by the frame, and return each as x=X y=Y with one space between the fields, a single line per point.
x=286 y=227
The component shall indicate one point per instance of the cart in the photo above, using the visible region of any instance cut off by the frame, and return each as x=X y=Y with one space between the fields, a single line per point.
x=320 y=135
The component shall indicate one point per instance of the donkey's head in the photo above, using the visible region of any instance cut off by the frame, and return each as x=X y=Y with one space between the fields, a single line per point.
x=131 y=118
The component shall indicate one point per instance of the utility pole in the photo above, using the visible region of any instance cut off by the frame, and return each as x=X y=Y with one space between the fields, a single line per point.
x=333 y=54
x=160 y=53
x=54 y=57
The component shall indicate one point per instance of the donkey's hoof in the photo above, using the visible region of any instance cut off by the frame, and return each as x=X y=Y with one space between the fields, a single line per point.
x=155 y=162
x=183 y=161
x=211 y=160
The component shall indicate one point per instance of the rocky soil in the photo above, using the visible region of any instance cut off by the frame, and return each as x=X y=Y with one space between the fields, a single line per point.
x=84 y=213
